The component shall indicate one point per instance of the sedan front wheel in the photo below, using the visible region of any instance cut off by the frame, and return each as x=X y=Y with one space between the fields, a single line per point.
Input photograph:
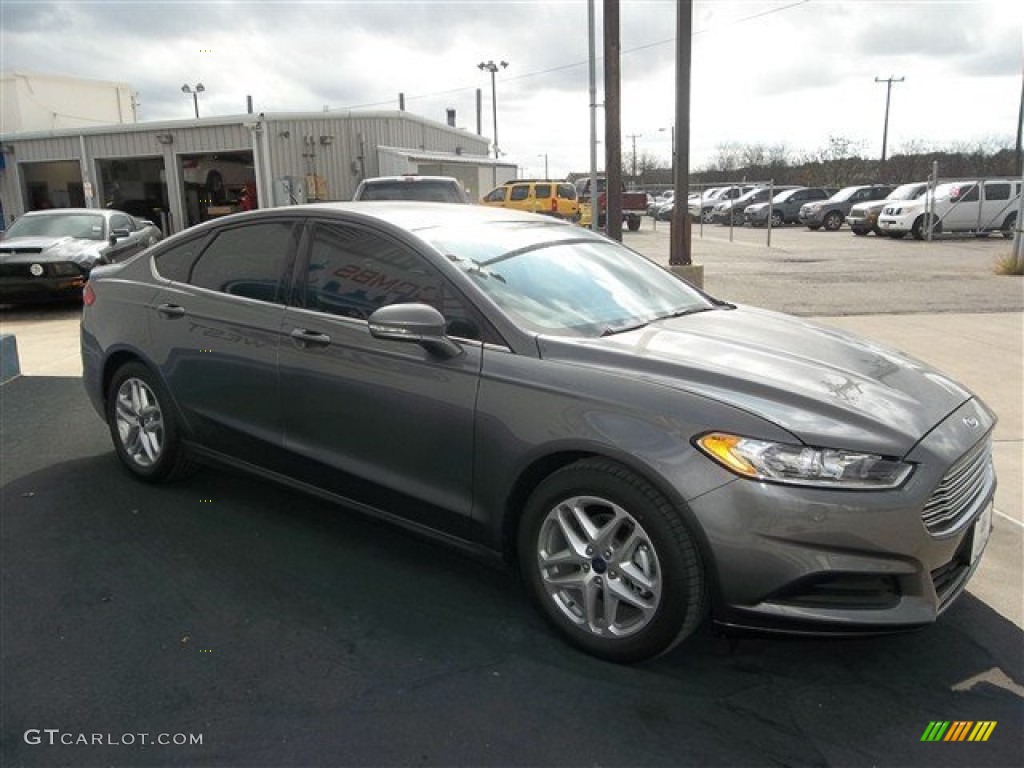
x=610 y=563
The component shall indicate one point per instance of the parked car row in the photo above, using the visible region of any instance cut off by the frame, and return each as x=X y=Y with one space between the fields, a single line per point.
x=979 y=206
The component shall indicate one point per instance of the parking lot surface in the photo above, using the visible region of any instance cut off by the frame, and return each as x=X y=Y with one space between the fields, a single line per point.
x=283 y=630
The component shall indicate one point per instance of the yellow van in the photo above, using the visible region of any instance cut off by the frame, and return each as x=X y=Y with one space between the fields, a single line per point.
x=554 y=198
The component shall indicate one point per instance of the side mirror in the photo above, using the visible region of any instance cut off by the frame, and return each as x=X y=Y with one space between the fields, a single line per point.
x=118 y=234
x=419 y=323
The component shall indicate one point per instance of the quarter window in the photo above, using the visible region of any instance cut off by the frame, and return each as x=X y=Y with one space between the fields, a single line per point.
x=247 y=260
x=999 y=191
x=176 y=263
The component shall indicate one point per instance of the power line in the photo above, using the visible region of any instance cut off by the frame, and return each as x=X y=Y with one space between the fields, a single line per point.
x=563 y=67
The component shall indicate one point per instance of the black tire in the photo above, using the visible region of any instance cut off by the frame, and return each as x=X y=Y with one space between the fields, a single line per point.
x=920 y=227
x=814 y=227
x=1009 y=224
x=859 y=232
x=215 y=186
x=657 y=574
x=144 y=426
x=833 y=221
x=897 y=235
x=633 y=222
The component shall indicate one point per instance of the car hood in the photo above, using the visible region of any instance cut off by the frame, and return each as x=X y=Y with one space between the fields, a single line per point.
x=874 y=206
x=825 y=386
x=17 y=250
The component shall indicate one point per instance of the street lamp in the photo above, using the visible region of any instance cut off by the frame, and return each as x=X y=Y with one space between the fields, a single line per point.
x=545 y=156
x=195 y=95
x=490 y=66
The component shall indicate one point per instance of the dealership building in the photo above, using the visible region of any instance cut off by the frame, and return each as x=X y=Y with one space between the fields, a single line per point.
x=179 y=173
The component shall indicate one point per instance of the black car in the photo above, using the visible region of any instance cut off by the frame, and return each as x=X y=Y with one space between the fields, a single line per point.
x=49 y=254
x=644 y=454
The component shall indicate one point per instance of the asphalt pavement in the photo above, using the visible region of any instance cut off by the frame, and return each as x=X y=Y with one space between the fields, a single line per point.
x=280 y=630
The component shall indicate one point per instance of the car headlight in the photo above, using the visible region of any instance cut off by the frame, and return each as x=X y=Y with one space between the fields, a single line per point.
x=803 y=465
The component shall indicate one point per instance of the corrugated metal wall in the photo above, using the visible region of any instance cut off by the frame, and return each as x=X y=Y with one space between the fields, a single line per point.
x=339 y=147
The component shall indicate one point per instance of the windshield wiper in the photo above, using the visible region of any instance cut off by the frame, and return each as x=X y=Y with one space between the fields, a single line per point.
x=669 y=316
x=624 y=328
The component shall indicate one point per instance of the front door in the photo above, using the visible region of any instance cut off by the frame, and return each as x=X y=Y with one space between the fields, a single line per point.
x=383 y=423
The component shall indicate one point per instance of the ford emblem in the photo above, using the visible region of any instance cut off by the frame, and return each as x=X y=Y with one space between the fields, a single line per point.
x=36 y=270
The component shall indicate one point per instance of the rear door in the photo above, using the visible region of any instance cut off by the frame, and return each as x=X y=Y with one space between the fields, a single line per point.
x=216 y=332
x=1000 y=199
x=383 y=423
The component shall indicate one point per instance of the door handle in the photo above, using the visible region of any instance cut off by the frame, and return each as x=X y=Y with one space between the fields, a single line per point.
x=304 y=337
x=171 y=310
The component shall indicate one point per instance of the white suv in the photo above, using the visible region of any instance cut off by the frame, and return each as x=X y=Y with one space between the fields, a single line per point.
x=435 y=189
x=977 y=205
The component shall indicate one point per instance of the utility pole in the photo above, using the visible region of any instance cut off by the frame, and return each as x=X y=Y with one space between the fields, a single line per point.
x=612 y=124
x=634 y=137
x=888 y=93
x=679 y=239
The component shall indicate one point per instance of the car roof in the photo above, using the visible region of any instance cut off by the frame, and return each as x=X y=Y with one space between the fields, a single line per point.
x=412 y=177
x=414 y=214
x=59 y=211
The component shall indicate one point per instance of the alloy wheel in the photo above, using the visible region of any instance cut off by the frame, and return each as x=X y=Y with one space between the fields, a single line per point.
x=599 y=567
x=140 y=422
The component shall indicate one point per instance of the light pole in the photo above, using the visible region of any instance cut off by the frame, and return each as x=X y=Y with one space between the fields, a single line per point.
x=545 y=156
x=490 y=66
x=888 y=92
x=195 y=94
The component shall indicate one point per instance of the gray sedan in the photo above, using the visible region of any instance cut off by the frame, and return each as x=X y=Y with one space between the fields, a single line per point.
x=49 y=254
x=646 y=455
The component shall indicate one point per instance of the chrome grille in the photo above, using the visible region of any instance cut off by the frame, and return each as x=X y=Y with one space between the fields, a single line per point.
x=969 y=481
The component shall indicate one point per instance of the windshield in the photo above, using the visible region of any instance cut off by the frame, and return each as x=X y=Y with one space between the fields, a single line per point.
x=562 y=282
x=84 y=226
x=908 y=192
x=845 y=193
x=428 y=191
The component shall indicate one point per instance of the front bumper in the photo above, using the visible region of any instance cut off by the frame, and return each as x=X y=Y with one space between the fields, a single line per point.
x=27 y=290
x=848 y=562
x=810 y=217
x=896 y=224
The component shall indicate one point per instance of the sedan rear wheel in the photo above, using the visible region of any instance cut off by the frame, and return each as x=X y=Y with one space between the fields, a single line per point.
x=142 y=425
x=777 y=219
x=610 y=563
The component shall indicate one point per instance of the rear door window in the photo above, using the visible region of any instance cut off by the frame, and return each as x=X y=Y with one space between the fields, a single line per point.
x=519 y=192
x=248 y=260
x=997 y=191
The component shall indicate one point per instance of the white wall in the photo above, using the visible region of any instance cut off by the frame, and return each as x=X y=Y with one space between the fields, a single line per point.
x=37 y=102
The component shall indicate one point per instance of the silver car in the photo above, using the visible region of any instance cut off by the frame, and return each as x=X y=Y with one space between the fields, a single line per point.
x=646 y=455
x=49 y=254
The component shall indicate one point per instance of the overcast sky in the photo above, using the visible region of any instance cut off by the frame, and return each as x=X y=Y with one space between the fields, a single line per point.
x=770 y=71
